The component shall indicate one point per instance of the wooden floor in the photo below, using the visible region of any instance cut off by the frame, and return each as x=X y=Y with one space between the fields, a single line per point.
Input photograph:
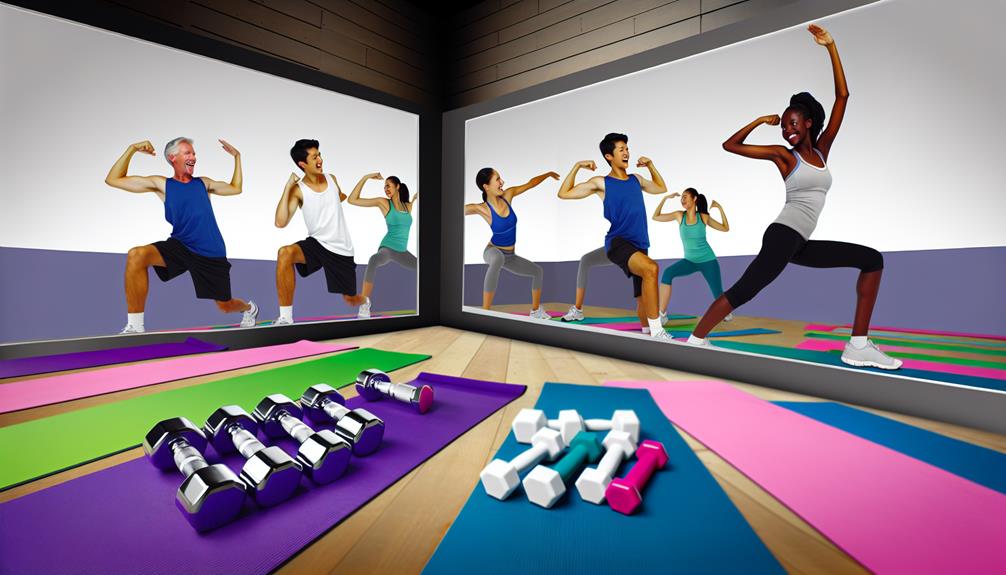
x=398 y=531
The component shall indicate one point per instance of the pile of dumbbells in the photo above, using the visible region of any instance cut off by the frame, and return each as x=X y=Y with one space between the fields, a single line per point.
x=572 y=437
x=212 y=494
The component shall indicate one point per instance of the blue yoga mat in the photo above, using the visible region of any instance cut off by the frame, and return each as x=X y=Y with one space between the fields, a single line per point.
x=686 y=524
x=727 y=333
x=979 y=464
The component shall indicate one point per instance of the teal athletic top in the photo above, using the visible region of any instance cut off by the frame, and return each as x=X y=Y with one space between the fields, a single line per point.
x=399 y=224
x=693 y=237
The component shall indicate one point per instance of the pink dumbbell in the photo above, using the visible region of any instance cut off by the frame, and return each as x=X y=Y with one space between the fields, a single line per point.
x=623 y=494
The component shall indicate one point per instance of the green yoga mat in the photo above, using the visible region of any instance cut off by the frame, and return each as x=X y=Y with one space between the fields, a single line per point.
x=906 y=343
x=44 y=446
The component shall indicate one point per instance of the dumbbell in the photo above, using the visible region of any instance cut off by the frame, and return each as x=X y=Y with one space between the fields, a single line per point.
x=624 y=494
x=270 y=474
x=569 y=423
x=594 y=480
x=211 y=495
x=324 y=454
x=364 y=430
x=546 y=485
x=374 y=384
x=500 y=478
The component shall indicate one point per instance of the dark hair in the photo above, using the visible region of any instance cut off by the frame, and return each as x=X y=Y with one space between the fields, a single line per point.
x=607 y=145
x=701 y=205
x=403 y=190
x=299 y=150
x=811 y=110
x=482 y=178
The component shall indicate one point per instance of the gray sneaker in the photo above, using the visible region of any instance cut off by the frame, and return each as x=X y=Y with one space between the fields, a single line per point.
x=662 y=336
x=573 y=314
x=539 y=313
x=283 y=321
x=869 y=356
x=250 y=315
x=131 y=329
x=364 y=311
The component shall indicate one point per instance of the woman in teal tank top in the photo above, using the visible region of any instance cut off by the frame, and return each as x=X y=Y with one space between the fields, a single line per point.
x=397 y=209
x=699 y=256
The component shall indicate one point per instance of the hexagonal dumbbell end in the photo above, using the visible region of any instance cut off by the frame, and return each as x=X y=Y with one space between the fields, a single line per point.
x=591 y=484
x=625 y=494
x=272 y=476
x=367 y=383
x=626 y=420
x=157 y=442
x=218 y=427
x=527 y=423
x=323 y=454
x=500 y=478
x=364 y=430
x=569 y=424
x=544 y=486
x=210 y=497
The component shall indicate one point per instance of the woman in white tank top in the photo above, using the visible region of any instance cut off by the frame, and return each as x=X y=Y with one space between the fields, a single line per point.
x=804 y=169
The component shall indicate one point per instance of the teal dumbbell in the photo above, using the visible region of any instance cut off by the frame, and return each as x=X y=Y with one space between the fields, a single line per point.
x=546 y=485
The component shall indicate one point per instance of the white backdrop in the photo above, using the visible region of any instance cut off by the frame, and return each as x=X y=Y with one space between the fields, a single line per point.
x=917 y=164
x=73 y=97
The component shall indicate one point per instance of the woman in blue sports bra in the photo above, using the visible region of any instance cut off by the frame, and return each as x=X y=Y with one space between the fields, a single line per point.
x=496 y=210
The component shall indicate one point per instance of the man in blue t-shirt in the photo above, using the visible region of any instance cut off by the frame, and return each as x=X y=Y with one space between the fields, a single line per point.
x=628 y=240
x=195 y=244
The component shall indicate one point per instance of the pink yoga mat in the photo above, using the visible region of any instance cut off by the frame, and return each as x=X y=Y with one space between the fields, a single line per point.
x=831 y=345
x=825 y=327
x=59 y=388
x=893 y=513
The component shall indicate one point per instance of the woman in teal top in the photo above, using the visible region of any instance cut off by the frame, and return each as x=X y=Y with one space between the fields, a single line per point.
x=699 y=257
x=397 y=210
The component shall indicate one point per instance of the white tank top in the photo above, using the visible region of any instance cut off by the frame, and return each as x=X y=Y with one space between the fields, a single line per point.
x=806 y=188
x=324 y=218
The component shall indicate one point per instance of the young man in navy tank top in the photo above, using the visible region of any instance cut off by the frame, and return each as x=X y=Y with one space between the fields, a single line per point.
x=195 y=244
x=628 y=238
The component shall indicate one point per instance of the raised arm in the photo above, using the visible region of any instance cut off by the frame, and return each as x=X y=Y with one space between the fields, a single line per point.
x=356 y=200
x=656 y=186
x=513 y=192
x=569 y=190
x=117 y=177
x=223 y=188
x=288 y=202
x=723 y=226
x=827 y=137
x=670 y=216
x=777 y=154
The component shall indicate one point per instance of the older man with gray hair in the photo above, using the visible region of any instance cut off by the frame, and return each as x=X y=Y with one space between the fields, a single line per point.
x=195 y=244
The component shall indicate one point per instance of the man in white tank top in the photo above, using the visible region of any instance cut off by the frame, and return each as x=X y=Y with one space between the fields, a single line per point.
x=328 y=245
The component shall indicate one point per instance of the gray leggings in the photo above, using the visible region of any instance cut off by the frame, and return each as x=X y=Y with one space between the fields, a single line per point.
x=385 y=255
x=498 y=259
x=598 y=257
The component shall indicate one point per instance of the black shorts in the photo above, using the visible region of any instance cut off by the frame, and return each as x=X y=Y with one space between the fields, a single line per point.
x=340 y=271
x=619 y=254
x=210 y=276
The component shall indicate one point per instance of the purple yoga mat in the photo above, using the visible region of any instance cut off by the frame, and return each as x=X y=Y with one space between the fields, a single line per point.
x=123 y=519
x=81 y=359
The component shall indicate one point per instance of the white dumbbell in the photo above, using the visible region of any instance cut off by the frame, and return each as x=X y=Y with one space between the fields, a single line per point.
x=591 y=484
x=500 y=478
x=569 y=423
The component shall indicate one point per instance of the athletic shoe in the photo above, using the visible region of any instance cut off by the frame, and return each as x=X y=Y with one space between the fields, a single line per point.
x=539 y=314
x=869 y=356
x=250 y=315
x=703 y=343
x=283 y=321
x=131 y=329
x=662 y=336
x=573 y=314
x=730 y=317
x=364 y=311
x=645 y=330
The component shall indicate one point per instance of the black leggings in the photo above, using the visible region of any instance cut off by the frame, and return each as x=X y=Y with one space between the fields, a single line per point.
x=782 y=244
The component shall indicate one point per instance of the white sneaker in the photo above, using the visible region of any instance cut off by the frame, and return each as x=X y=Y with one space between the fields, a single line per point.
x=645 y=330
x=539 y=314
x=573 y=314
x=869 y=356
x=364 y=311
x=131 y=329
x=283 y=321
x=250 y=315
x=730 y=317
x=662 y=336
x=698 y=342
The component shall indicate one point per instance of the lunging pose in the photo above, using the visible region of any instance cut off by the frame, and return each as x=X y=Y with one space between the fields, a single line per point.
x=591 y=259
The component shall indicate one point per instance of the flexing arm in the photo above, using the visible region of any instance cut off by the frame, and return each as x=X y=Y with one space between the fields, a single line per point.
x=234 y=187
x=709 y=221
x=777 y=154
x=570 y=191
x=827 y=137
x=356 y=200
x=656 y=186
x=513 y=192
x=117 y=177
x=670 y=216
x=288 y=202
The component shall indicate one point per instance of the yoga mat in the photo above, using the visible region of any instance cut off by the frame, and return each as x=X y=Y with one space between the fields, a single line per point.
x=925 y=338
x=70 y=439
x=892 y=512
x=59 y=388
x=686 y=524
x=678 y=333
x=918 y=344
x=826 y=327
x=913 y=353
x=827 y=358
x=123 y=519
x=828 y=345
x=979 y=464
x=626 y=319
x=81 y=359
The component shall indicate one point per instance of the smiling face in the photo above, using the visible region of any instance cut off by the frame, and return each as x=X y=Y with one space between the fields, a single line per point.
x=390 y=188
x=687 y=200
x=495 y=185
x=795 y=128
x=184 y=159
x=313 y=165
x=619 y=158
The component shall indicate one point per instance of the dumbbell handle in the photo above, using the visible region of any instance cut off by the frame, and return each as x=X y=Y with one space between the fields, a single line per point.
x=641 y=472
x=588 y=424
x=294 y=427
x=334 y=409
x=400 y=391
x=188 y=460
x=529 y=457
x=246 y=443
x=574 y=460
x=609 y=463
